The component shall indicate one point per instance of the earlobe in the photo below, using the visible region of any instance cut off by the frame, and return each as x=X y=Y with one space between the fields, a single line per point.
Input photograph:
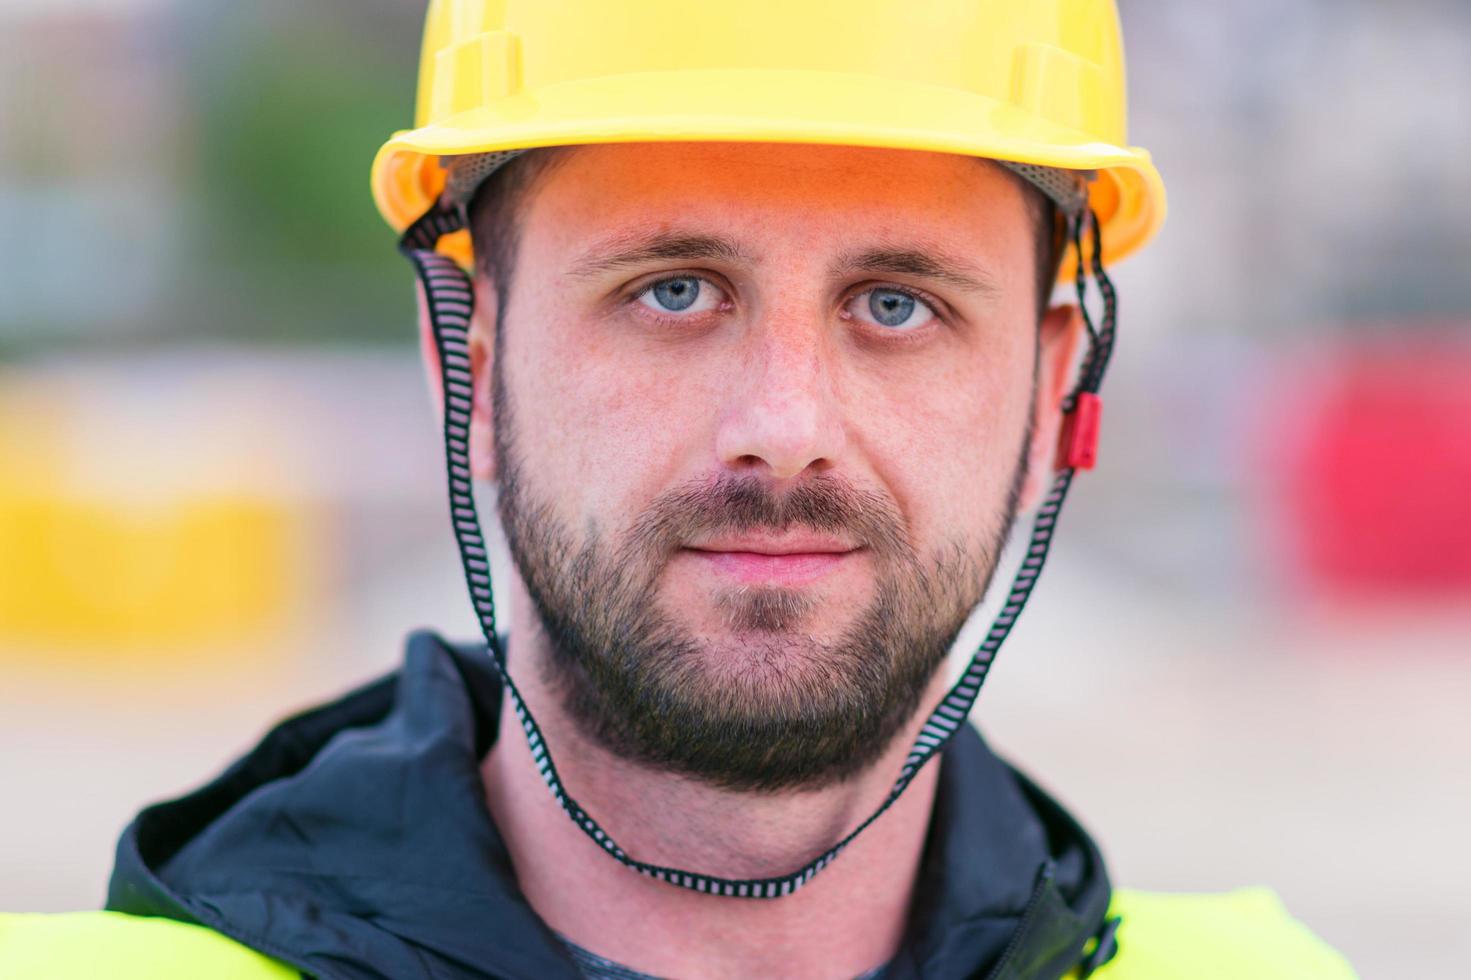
x=481 y=342
x=1059 y=342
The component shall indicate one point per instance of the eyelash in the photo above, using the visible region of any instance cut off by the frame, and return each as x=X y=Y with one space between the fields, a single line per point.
x=936 y=307
x=631 y=298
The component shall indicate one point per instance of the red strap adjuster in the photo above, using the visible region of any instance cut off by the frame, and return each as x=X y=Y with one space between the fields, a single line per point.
x=1078 y=443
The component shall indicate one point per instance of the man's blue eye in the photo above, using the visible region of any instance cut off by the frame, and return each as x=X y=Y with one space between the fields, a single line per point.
x=677 y=295
x=890 y=307
x=685 y=295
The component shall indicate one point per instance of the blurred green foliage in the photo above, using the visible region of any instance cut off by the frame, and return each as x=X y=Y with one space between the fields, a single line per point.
x=290 y=103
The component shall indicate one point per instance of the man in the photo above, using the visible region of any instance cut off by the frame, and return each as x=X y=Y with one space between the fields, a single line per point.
x=757 y=348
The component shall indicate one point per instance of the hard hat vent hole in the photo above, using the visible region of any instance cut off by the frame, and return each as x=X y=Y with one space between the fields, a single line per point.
x=468 y=171
x=1068 y=189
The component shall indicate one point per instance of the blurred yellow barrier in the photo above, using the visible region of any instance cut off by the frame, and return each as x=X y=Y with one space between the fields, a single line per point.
x=94 y=576
x=151 y=552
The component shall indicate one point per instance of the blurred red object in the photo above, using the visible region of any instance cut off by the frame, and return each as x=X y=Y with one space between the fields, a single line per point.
x=1371 y=446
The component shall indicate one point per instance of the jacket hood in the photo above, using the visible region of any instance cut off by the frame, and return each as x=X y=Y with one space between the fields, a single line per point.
x=354 y=842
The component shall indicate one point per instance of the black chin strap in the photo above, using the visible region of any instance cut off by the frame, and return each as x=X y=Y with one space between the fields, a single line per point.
x=450 y=299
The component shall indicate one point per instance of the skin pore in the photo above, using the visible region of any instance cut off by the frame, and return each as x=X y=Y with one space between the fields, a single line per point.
x=850 y=361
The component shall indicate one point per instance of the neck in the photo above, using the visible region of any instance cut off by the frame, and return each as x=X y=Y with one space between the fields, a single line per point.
x=847 y=920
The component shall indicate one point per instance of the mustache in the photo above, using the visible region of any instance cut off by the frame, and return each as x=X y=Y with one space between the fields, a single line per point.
x=733 y=503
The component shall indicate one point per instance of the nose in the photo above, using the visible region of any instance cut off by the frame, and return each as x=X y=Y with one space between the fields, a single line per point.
x=782 y=415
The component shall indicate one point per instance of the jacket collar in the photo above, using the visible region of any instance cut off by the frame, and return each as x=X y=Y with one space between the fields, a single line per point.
x=354 y=842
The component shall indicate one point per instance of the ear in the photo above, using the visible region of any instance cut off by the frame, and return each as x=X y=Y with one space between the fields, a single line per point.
x=481 y=343
x=1060 y=334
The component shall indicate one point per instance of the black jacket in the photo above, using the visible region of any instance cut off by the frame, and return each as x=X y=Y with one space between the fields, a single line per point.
x=355 y=842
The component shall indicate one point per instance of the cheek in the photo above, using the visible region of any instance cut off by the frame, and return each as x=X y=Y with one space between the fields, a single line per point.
x=946 y=441
x=603 y=433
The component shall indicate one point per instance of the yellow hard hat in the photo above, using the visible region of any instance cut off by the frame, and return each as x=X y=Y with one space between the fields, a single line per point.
x=1030 y=81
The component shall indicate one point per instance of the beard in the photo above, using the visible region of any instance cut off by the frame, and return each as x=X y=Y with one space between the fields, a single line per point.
x=767 y=706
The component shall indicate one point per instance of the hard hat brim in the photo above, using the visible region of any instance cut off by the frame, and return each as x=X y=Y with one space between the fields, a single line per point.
x=767 y=106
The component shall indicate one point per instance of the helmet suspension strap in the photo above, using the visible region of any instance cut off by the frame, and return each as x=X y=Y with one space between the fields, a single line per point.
x=450 y=299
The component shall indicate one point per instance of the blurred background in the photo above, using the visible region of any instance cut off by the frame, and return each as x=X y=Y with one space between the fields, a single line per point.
x=1250 y=660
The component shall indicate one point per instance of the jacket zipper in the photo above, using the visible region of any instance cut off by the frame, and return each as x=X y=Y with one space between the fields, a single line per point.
x=1044 y=880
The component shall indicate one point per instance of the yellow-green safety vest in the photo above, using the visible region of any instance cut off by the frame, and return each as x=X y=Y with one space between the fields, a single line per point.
x=1239 y=935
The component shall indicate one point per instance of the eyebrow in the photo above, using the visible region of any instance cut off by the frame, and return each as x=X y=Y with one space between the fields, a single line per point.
x=631 y=250
x=919 y=262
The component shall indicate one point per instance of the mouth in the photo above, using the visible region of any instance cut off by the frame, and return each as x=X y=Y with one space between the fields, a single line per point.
x=774 y=560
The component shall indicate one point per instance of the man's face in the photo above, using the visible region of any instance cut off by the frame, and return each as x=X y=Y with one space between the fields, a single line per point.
x=762 y=416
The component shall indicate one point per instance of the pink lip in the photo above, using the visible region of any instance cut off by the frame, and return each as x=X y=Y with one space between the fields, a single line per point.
x=791 y=543
x=776 y=560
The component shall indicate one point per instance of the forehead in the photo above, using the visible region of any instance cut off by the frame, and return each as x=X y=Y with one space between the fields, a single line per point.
x=776 y=189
